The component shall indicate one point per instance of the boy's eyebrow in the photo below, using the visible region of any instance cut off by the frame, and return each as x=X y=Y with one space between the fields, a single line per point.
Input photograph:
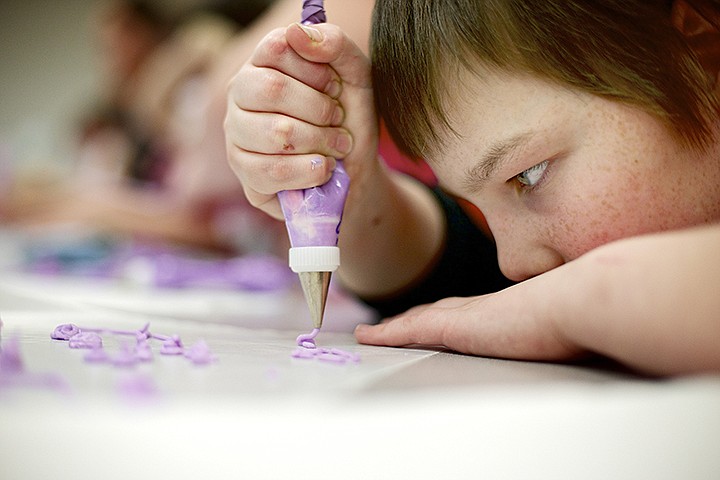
x=497 y=154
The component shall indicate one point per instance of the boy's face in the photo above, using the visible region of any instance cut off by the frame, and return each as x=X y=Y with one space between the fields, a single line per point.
x=558 y=172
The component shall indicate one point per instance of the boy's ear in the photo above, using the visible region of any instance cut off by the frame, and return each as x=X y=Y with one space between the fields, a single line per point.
x=699 y=22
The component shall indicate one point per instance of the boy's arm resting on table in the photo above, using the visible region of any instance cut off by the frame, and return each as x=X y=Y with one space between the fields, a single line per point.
x=649 y=302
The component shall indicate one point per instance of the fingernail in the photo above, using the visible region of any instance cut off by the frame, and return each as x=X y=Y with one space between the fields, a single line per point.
x=343 y=143
x=312 y=33
x=361 y=328
x=338 y=115
x=331 y=162
x=317 y=162
x=334 y=88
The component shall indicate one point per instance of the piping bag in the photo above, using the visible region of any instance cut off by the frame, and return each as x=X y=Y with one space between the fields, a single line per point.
x=313 y=217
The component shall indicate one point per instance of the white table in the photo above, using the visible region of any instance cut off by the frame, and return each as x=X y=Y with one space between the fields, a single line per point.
x=258 y=413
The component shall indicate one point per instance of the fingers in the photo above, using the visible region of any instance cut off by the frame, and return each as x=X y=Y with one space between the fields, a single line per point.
x=327 y=43
x=432 y=324
x=289 y=114
x=271 y=133
x=492 y=325
x=274 y=52
x=268 y=90
x=284 y=172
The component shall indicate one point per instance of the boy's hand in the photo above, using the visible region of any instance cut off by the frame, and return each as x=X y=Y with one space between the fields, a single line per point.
x=303 y=99
x=513 y=323
x=616 y=300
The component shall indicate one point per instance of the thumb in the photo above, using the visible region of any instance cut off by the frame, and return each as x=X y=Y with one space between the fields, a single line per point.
x=327 y=43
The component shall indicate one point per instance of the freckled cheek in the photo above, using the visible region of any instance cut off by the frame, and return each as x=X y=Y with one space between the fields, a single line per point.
x=584 y=236
x=598 y=222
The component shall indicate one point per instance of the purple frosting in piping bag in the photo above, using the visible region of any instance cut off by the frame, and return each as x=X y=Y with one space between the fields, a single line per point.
x=313 y=12
x=313 y=217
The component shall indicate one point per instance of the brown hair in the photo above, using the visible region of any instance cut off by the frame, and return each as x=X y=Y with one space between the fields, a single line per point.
x=619 y=49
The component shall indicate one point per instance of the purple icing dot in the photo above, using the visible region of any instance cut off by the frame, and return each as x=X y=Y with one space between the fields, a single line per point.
x=137 y=388
x=97 y=355
x=125 y=357
x=329 y=357
x=65 y=331
x=143 y=351
x=10 y=359
x=200 y=353
x=172 y=346
x=85 y=340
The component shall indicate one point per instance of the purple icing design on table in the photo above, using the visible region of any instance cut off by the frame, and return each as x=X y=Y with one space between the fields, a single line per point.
x=172 y=346
x=308 y=349
x=65 y=331
x=130 y=353
x=85 y=340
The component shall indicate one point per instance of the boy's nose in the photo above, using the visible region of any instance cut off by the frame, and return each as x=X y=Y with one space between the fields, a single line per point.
x=522 y=256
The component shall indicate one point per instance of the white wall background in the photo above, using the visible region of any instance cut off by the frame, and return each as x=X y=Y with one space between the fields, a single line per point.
x=47 y=77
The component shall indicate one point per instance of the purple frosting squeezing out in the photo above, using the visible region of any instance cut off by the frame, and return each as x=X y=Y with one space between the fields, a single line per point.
x=307 y=349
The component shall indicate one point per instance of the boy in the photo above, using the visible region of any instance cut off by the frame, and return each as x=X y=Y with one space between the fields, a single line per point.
x=588 y=133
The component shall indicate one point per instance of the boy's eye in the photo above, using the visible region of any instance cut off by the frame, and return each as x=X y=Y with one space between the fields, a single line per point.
x=531 y=176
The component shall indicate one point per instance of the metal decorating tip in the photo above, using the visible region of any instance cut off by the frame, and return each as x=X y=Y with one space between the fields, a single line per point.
x=315 y=286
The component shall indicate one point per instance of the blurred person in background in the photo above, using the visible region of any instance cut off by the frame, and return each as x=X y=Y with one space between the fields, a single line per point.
x=130 y=180
x=151 y=160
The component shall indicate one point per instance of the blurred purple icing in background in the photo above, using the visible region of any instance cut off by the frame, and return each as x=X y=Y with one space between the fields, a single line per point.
x=14 y=374
x=10 y=359
x=157 y=265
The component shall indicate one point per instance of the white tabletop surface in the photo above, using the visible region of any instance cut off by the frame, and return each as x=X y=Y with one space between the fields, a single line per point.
x=257 y=413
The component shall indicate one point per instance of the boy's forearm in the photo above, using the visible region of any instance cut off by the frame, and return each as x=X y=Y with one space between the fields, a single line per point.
x=390 y=236
x=651 y=302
